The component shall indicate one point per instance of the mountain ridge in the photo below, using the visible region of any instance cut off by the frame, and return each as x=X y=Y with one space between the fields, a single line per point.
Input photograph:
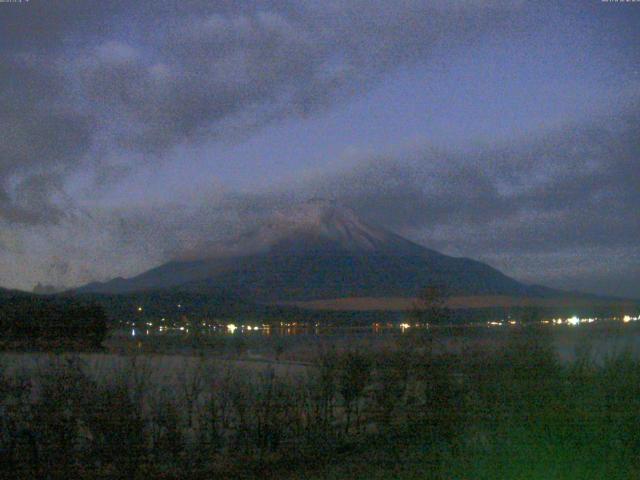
x=320 y=251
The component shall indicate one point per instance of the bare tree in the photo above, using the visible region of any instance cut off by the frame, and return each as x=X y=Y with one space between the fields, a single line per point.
x=430 y=307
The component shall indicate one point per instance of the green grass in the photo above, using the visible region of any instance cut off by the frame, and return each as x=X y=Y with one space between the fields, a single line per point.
x=526 y=417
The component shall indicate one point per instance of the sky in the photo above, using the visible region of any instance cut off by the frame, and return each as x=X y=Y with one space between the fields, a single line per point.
x=505 y=131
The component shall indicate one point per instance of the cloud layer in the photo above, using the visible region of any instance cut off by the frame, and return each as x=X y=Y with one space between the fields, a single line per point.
x=78 y=90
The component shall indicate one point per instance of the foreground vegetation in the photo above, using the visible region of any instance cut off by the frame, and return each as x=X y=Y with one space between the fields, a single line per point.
x=406 y=412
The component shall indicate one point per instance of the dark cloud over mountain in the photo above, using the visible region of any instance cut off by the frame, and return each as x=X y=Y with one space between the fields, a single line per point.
x=573 y=190
x=80 y=90
x=573 y=187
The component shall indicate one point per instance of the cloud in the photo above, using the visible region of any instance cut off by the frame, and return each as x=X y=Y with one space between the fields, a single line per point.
x=78 y=94
x=562 y=191
x=573 y=187
x=221 y=74
x=43 y=139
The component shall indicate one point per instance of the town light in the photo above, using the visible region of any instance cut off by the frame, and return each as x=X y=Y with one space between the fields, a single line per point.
x=573 y=321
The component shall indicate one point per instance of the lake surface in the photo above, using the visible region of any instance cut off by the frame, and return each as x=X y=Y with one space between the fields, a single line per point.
x=301 y=343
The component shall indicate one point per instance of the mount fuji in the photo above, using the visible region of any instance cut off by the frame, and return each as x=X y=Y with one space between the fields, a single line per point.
x=322 y=251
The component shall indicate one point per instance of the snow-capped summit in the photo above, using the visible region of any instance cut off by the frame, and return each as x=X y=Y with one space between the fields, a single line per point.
x=325 y=223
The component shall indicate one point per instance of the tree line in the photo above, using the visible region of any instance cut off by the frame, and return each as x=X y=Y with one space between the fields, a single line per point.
x=32 y=321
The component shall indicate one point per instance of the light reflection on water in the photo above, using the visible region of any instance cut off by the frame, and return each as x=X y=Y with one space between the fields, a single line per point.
x=231 y=330
x=296 y=328
x=603 y=339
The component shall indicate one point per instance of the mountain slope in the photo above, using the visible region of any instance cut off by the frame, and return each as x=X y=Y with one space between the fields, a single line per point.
x=321 y=251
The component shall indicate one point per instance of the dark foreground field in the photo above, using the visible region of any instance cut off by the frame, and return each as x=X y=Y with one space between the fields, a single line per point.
x=407 y=411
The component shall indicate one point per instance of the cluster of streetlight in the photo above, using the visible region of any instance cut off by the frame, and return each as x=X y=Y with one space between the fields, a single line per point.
x=231 y=327
x=571 y=321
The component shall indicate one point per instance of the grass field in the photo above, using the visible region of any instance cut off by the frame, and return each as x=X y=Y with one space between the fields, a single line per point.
x=406 y=408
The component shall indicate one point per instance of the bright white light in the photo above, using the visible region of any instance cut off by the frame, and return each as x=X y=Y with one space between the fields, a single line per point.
x=573 y=320
x=139 y=309
x=133 y=332
x=231 y=328
x=404 y=326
